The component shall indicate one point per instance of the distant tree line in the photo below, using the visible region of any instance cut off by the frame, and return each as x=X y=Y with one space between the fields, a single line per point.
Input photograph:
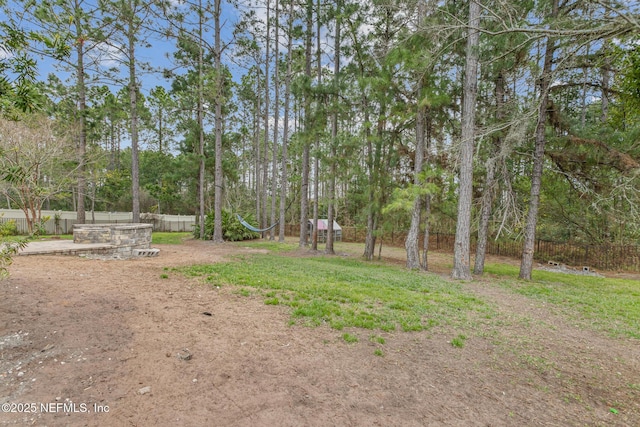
x=483 y=118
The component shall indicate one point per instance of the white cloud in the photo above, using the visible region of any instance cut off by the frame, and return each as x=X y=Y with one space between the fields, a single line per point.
x=5 y=53
x=106 y=55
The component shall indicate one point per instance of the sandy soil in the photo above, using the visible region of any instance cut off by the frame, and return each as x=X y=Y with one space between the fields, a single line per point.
x=111 y=343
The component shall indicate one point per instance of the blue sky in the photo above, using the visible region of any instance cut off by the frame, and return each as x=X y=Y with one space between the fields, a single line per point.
x=158 y=55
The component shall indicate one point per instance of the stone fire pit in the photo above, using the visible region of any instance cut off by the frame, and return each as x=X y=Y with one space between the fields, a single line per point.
x=126 y=239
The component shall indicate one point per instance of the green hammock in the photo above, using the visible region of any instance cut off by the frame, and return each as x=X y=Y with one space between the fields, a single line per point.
x=252 y=228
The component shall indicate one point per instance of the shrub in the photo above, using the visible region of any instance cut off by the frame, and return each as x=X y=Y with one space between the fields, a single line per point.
x=8 y=228
x=7 y=251
x=232 y=229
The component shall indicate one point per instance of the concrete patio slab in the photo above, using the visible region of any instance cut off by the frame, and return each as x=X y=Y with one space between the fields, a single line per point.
x=65 y=247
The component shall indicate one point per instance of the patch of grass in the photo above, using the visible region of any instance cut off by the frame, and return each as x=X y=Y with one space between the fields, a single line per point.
x=378 y=352
x=612 y=305
x=12 y=239
x=350 y=338
x=459 y=341
x=272 y=301
x=167 y=238
x=244 y=292
x=539 y=363
x=164 y=276
x=377 y=339
x=194 y=270
x=348 y=292
x=271 y=246
x=55 y=237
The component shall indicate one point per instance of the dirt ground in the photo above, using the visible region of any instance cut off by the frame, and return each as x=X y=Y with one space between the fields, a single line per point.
x=111 y=343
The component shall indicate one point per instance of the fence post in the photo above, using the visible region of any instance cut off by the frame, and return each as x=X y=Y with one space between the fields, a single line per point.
x=586 y=255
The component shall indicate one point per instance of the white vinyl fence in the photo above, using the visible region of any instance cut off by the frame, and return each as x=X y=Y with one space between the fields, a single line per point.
x=61 y=222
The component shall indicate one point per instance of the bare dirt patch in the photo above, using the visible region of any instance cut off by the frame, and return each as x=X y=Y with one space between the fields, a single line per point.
x=83 y=335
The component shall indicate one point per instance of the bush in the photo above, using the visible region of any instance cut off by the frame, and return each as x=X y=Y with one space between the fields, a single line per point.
x=232 y=229
x=7 y=252
x=8 y=228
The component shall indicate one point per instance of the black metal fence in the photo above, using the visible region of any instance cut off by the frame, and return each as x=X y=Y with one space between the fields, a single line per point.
x=600 y=257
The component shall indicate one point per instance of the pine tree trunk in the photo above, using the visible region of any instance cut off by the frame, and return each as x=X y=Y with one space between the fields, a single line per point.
x=427 y=201
x=526 y=265
x=606 y=77
x=82 y=143
x=267 y=100
x=316 y=169
x=200 y=120
x=461 y=255
x=276 y=121
x=218 y=176
x=257 y=150
x=370 y=237
x=334 y=135
x=485 y=215
x=304 y=188
x=133 y=98
x=316 y=201
x=411 y=244
x=304 y=196
x=425 y=243
x=285 y=131
x=490 y=183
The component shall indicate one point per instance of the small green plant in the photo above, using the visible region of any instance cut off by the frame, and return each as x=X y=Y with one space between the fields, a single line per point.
x=377 y=339
x=349 y=338
x=458 y=341
x=272 y=301
x=378 y=352
x=164 y=276
x=7 y=251
x=57 y=217
x=40 y=227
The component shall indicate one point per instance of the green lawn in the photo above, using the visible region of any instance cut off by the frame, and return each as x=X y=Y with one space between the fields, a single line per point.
x=168 y=238
x=272 y=246
x=612 y=305
x=342 y=292
x=55 y=237
x=345 y=292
